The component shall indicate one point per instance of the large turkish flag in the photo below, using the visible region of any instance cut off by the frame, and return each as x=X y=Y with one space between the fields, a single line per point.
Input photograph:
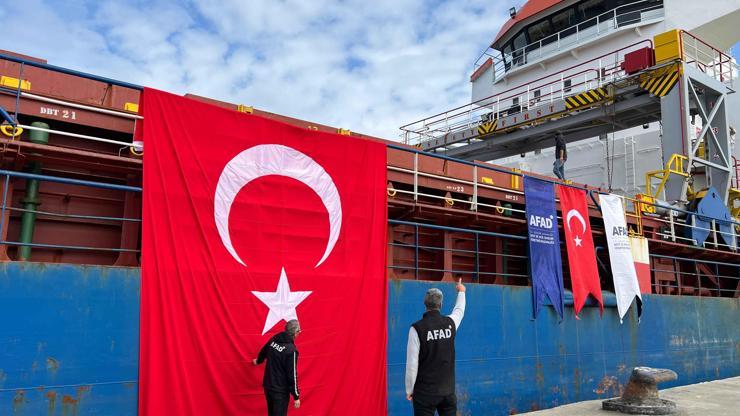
x=250 y=222
x=584 y=276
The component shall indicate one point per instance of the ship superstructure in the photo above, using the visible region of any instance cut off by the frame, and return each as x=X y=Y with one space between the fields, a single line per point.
x=642 y=97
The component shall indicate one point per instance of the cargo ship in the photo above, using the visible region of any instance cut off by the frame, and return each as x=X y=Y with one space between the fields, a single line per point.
x=71 y=216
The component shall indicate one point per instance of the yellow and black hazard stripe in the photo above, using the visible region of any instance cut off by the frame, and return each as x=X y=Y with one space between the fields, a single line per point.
x=586 y=98
x=659 y=83
x=487 y=127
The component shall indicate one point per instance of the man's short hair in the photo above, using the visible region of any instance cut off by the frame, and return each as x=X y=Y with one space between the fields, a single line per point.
x=433 y=299
x=292 y=327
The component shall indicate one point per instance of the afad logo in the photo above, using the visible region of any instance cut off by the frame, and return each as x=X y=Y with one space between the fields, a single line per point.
x=541 y=222
x=620 y=231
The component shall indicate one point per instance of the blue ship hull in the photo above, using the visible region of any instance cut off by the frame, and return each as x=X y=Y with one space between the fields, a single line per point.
x=69 y=344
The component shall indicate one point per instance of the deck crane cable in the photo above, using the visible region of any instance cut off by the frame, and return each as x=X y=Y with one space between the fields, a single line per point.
x=609 y=154
x=611 y=159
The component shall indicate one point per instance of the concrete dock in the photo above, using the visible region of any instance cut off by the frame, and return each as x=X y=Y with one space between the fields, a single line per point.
x=714 y=398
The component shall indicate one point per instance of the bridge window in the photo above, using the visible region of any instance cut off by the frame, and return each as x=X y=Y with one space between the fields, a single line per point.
x=590 y=9
x=520 y=41
x=539 y=31
x=564 y=20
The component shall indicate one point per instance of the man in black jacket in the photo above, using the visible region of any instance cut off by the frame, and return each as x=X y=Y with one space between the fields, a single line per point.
x=430 y=356
x=281 y=372
x=561 y=156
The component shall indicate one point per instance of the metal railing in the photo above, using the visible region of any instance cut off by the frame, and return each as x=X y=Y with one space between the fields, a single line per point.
x=674 y=220
x=474 y=272
x=20 y=93
x=7 y=208
x=54 y=68
x=475 y=182
x=687 y=276
x=605 y=23
x=708 y=59
x=596 y=72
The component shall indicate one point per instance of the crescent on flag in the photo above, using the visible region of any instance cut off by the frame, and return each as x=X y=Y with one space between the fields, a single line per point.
x=574 y=213
x=275 y=159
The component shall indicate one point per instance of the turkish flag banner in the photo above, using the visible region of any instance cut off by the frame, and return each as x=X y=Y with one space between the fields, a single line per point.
x=247 y=224
x=584 y=275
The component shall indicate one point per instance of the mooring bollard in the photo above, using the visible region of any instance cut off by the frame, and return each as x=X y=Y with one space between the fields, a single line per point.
x=640 y=396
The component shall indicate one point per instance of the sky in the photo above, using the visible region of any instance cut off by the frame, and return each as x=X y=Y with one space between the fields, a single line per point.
x=369 y=66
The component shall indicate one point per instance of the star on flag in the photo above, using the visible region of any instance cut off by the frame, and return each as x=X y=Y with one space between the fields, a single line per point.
x=282 y=302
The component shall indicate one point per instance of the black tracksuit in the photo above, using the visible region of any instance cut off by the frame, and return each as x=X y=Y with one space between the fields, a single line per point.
x=281 y=373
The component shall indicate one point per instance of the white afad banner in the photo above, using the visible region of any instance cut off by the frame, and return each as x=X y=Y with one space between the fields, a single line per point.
x=626 y=286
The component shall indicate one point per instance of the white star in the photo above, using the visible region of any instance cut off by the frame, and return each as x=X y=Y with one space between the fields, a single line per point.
x=282 y=302
x=578 y=241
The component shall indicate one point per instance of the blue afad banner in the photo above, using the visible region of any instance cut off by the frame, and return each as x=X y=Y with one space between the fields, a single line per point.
x=544 y=244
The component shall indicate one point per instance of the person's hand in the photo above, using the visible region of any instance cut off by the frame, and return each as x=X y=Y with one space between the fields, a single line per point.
x=459 y=286
x=409 y=397
x=297 y=403
x=254 y=362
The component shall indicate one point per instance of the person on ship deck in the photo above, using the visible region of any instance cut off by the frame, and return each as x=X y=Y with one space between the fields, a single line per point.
x=561 y=156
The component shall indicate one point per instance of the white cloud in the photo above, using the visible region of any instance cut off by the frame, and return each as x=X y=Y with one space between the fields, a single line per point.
x=367 y=66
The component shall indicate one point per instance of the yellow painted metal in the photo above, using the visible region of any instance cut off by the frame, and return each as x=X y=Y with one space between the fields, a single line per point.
x=391 y=190
x=699 y=194
x=734 y=196
x=135 y=152
x=636 y=213
x=646 y=203
x=487 y=127
x=668 y=46
x=486 y=180
x=132 y=107
x=11 y=82
x=247 y=109
x=660 y=81
x=344 y=132
x=515 y=179
x=449 y=200
x=691 y=195
x=675 y=166
x=587 y=98
x=9 y=131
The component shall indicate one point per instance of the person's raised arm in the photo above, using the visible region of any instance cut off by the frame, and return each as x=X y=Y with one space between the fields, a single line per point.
x=459 y=310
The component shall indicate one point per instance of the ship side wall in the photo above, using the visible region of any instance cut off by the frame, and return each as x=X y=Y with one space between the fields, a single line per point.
x=509 y=363
x=70 y=343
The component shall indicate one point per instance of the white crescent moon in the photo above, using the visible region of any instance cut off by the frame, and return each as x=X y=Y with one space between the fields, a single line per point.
x=274 y=159
x=574 y=213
